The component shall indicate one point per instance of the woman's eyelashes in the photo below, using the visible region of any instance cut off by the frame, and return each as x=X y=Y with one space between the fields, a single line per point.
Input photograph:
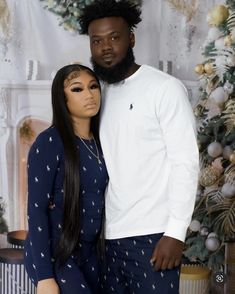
x=91 y=87
x=77 y=89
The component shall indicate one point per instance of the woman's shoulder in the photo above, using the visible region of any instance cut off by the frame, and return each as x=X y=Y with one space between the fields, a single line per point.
x=48 y=139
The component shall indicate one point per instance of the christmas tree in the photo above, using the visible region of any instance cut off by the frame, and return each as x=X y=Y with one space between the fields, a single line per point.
x=213 y=222
x=3 y=225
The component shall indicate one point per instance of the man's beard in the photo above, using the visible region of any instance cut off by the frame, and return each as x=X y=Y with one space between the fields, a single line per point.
x=116 y=73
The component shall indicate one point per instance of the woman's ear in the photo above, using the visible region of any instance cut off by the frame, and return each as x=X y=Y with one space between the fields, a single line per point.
x=132 y=39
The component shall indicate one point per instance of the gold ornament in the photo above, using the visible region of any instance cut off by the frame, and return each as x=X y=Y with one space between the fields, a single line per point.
x=208 y=68
x=217 y=15
x=27 y=134
x=232 y=158
x=198 y=110
x=209 y=175
x=199 y=69
x=228 y=40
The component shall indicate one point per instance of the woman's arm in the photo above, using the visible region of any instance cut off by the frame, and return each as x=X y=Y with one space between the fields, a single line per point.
x=43 y=160
x=48 y=286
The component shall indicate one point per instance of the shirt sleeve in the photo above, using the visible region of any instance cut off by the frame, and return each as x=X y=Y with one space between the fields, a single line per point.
x=179 y=132
x=43 y=162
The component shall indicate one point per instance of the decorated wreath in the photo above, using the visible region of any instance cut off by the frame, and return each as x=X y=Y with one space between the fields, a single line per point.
x=68 y=11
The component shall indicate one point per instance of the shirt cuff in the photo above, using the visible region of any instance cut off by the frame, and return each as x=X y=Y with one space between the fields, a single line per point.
x=176 y=229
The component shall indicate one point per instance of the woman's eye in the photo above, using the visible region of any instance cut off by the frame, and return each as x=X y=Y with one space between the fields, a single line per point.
x=76 y=90
x=94 y=86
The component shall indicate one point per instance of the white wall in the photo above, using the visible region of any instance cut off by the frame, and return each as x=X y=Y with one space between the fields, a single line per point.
x=35 y=34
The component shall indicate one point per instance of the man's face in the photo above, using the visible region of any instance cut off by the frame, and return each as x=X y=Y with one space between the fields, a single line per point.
x=110 y=39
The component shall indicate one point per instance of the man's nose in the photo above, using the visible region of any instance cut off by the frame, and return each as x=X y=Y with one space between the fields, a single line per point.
x=106 y=46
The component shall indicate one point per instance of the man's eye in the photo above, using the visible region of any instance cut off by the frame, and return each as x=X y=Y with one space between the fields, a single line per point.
x=76 y=89
x=114 y=38
x=96 y=42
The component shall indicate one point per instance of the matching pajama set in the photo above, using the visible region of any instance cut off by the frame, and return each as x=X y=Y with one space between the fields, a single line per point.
x=81 y=274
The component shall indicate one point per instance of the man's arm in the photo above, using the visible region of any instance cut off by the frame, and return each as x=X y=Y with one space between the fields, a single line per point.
x=178 y=128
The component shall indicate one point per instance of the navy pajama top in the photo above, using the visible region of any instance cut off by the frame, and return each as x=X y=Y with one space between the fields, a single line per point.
x=45 y=200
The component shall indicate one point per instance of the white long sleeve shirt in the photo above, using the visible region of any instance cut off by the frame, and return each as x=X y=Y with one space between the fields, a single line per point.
x=148 y=138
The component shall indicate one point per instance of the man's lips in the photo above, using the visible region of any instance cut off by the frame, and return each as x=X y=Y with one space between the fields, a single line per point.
x=108 y=57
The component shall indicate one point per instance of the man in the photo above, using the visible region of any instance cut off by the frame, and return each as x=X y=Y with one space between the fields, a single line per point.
x=148 y=139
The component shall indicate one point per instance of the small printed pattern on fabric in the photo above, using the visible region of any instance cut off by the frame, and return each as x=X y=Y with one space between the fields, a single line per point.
x=45 y=214
x=128 y=270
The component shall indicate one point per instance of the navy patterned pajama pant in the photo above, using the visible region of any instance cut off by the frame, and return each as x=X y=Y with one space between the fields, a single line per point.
x=127 y=269
x=76 y=277
x=84 y=278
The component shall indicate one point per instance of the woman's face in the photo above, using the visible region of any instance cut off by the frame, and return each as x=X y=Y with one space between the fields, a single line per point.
x=83 y=95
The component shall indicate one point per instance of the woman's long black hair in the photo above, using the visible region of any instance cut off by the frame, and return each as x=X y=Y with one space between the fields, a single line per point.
x=63 y=122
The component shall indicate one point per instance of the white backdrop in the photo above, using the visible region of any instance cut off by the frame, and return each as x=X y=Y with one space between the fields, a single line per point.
x=162 y=35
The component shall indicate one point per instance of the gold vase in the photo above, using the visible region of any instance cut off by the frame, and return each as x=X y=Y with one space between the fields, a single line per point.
x=194 y=279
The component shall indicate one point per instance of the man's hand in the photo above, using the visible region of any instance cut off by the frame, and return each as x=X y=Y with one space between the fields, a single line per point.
x=167 y=253
x=48 y=286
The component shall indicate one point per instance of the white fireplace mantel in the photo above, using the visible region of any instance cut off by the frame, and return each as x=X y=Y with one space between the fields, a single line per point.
x=18 y=100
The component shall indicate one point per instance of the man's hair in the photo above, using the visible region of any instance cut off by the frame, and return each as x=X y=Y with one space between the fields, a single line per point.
x=129 y=11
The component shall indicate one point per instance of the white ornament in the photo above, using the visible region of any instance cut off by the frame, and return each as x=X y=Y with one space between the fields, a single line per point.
x=228 y=190
x=219 y=44
x=212 y=244
x=213 y=34
x=228 y=87
x=227 y=151
x=195 y=225
x=214 y=149
x=219 y=95
x=212 y=235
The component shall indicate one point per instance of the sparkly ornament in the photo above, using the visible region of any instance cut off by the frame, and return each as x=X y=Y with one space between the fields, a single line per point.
x=208 y=176
x=212 y=244
x=217 y=164
x=204 y=231
x=228 y=40
x=232 y=158
x=199 y=69
x=214 y=149
x=195 y=225
x=219 y=95
x=208 y=67
x=230 y=60
x=228 y=87
x=217 y=15
x=228 y=190
x=227 y=151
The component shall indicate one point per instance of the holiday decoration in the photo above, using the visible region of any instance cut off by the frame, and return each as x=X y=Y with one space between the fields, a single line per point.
x=214 y=215
x=3 y=225
x=5 y=27
x=187 y=7
x=68 y=11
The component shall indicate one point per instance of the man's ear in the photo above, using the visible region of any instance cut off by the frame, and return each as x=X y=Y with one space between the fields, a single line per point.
x=132 y=40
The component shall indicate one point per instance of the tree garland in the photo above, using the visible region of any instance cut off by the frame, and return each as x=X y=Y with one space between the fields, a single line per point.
x=68 y=11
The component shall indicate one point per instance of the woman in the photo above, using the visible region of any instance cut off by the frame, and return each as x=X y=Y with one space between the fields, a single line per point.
x=66 y=182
